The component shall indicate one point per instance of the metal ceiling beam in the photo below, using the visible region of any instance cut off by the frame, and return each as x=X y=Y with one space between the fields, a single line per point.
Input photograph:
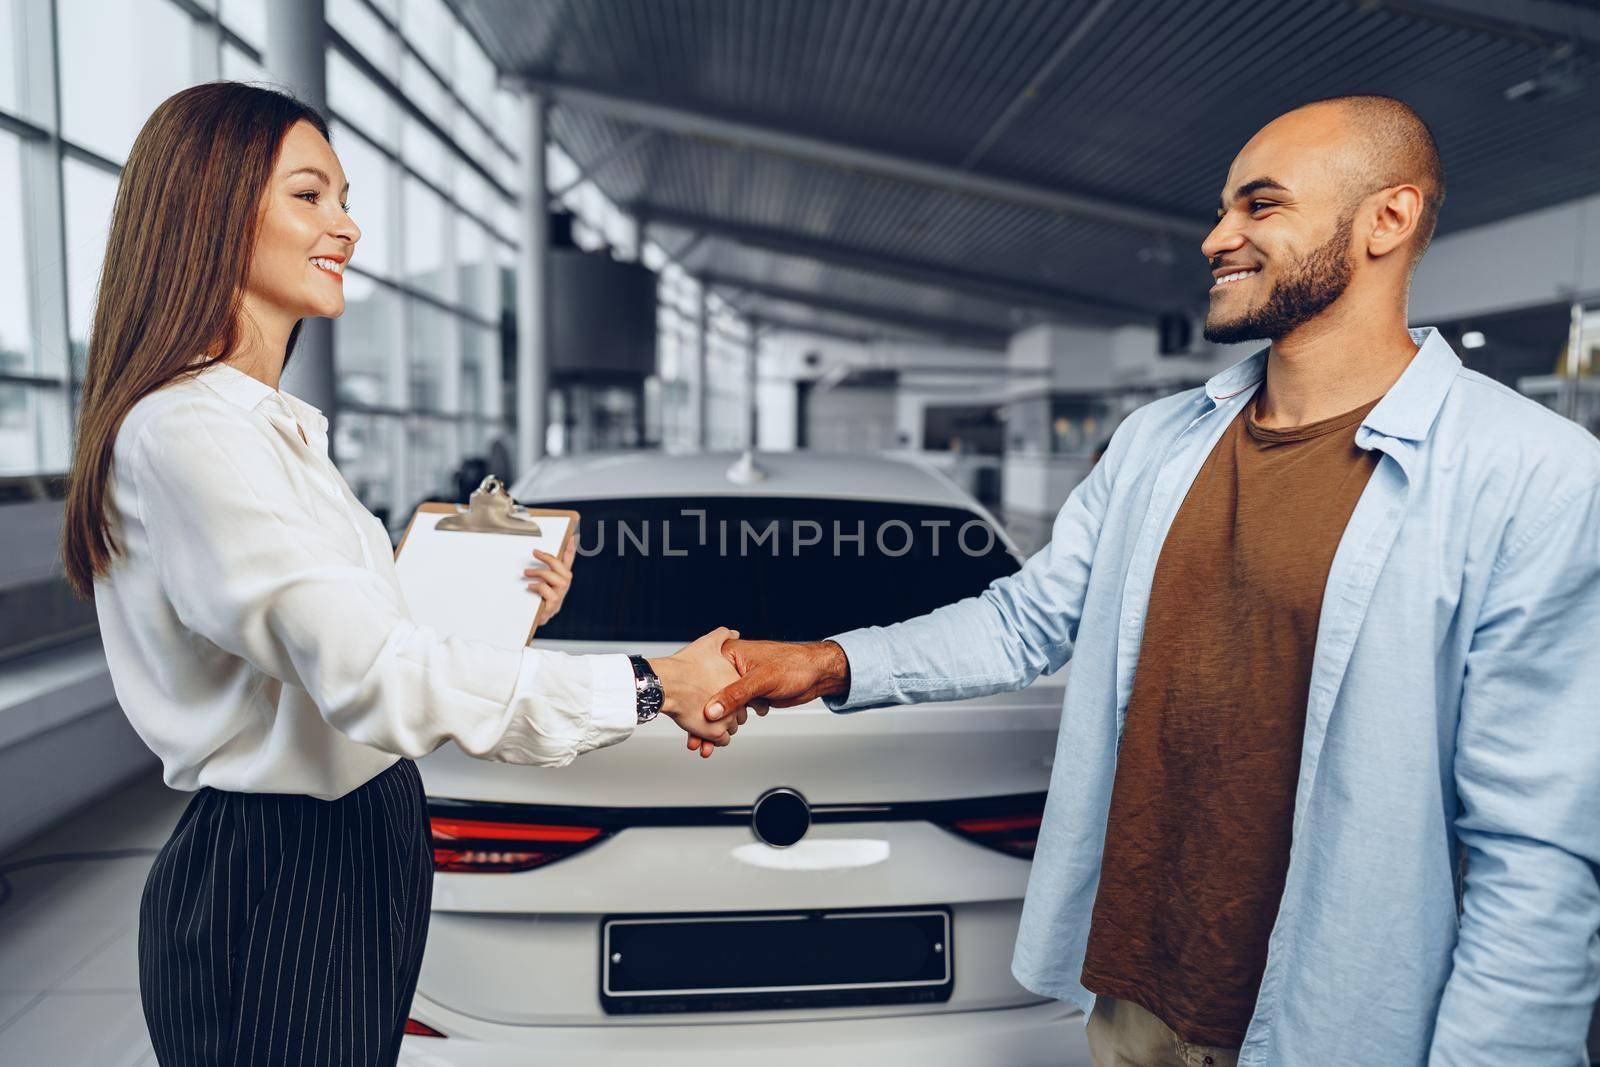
x=684 y=249
x=942 y=276
x=816 y=150
x=1030 y=92
x=949 y=329
x=619 y=150
x=1548 y=24
x=769 y=323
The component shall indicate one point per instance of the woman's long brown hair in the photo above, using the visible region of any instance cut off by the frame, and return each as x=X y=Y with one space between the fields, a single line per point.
x=171 y=287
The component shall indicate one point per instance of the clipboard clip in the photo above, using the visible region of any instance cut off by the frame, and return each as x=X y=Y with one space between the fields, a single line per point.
x=490 y=509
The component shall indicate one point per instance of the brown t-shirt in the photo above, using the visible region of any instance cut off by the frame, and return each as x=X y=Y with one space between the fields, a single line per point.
x=1197 y=840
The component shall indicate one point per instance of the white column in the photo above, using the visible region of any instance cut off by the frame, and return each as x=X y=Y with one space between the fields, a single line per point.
x=752 y=347
x=533 y=296
x=630 y=245
x=297 y=37
x=702 y=387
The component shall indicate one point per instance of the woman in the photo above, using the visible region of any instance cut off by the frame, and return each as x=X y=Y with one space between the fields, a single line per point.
x=253 y=624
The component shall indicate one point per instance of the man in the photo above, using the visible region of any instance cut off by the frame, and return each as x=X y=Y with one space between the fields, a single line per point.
x=1327 y=785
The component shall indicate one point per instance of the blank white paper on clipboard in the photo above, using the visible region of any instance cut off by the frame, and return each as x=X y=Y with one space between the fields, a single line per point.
x=470 y=584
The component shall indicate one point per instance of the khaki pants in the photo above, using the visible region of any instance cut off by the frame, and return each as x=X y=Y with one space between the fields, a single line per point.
x=1122 y=1034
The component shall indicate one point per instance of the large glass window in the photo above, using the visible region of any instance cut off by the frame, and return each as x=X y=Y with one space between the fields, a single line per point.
x=427 y=238
x=476 y=275
x=429 y=28
x=417 y=354
x=508 y=118
x=90 y=194
x=11 y=73
x=357 y=24
x=435 y=452
x=371 y=175
x=362 y=102
x=247 y=18
x=92 y=71
x=508 y=219
x=425 y=91
x=369 y=447
x=503 y=167
x=478 y=147
x=473 y=192
x=238 y=66
x=425 y=153
x=474 y=75
x=18 y=348
x=480 y=350
x=367 y=357
x=33 y=429
x=428 y=349
x=27 y=70
x=118 y=61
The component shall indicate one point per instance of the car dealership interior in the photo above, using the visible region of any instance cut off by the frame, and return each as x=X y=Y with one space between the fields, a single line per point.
x=798 y=317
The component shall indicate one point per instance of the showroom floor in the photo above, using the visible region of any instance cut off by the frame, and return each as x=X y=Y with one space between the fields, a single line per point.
x=69 y=989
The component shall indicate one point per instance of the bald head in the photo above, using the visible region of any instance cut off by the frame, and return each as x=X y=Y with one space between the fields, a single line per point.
x=1387 y=144
x=1340 y=194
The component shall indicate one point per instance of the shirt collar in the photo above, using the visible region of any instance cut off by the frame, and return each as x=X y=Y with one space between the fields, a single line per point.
x=247 y=392
x=1237 y=378
x=1406 y=411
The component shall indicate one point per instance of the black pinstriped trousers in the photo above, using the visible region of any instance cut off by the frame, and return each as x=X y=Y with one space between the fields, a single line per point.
x=281 y=929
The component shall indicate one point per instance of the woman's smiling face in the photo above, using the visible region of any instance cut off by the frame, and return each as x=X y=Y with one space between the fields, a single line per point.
x=306 y=236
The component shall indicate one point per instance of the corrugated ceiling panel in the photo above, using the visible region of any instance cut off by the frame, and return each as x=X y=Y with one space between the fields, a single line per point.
x=1148 y=108
x=923 y=76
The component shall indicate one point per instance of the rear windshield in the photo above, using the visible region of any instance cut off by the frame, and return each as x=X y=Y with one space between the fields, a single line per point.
x=778 y=568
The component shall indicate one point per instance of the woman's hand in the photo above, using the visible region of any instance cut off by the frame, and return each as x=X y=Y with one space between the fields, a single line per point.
x=553 y=580
x=690 y=677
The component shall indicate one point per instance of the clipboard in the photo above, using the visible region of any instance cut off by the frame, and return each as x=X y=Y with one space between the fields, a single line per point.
x=460 y=568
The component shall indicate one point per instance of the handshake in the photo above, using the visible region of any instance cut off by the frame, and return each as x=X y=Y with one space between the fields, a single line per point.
x=710 y=687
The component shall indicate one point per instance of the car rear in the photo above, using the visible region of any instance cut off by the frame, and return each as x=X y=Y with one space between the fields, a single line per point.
x=847 y=885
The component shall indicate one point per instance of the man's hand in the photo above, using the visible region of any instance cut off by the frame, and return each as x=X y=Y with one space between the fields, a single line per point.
x=553 y=580
x=779 y=674
x=689 y=678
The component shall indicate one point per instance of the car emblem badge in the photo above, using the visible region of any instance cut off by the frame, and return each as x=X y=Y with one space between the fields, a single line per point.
x=780 y=817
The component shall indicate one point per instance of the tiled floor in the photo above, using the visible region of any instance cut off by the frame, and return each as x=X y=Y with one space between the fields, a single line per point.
x=69 y=991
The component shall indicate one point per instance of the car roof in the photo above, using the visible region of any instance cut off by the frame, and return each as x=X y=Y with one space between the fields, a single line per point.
x=598 y=476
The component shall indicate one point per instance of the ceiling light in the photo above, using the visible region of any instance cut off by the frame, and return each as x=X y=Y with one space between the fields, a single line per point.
x=1473 y=339
x=1557 y=79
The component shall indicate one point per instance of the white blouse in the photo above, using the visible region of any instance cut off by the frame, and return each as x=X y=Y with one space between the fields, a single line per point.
x=254 y=626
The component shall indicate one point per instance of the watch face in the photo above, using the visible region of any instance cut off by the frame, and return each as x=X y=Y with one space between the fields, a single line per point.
x=648 y=693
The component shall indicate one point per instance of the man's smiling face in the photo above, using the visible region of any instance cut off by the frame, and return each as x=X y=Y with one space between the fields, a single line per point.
x=1280 y=253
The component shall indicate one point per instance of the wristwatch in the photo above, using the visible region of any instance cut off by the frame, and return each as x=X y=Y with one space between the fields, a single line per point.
x=647 y=691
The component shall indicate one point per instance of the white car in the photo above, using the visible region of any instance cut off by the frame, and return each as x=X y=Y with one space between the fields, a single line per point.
x=830 y=888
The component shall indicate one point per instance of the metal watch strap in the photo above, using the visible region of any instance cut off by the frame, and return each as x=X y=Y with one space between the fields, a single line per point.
x=647 y=691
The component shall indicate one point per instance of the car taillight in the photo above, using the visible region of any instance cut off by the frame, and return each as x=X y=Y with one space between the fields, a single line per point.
x=1015 y=835
x=479 y=845
x=417 y=1029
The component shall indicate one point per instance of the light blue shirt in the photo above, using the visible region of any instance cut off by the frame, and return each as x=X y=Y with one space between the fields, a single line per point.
x=1453 y=713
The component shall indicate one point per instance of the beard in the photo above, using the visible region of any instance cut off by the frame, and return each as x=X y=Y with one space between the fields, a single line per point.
x=1306 y=292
